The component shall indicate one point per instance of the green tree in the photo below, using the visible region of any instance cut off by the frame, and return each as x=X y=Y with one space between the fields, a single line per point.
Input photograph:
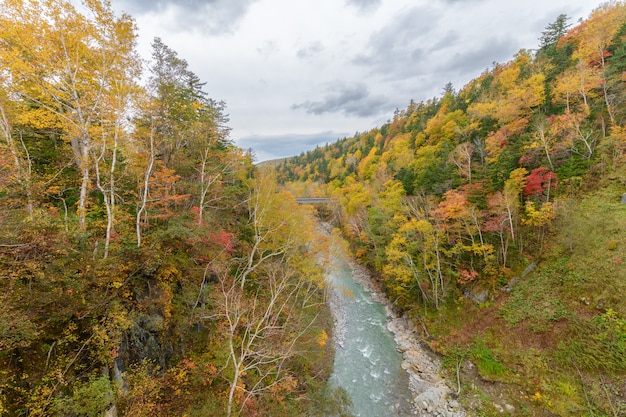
x=553 y=33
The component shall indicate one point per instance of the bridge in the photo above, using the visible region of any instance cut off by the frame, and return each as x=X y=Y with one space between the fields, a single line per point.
x=313 y=200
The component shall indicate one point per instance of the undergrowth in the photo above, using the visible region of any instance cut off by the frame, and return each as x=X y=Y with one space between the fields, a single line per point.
x=560 y=335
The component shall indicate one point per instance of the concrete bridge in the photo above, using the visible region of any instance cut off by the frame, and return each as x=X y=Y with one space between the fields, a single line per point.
x=313 y=200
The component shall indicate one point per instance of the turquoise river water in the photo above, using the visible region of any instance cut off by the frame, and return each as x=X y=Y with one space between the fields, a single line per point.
x=367 y=364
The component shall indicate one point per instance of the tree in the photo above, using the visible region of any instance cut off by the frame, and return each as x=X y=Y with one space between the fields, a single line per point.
x=355 y=198
x=262 y=330
x=554 y=32
x=592 y=39
x=215 y=159
x=188 y=128
x=267 y=297
x=415 y=259
x=462 y=222
x=509 y=100
x=18 y=155
x=122 y=94
x=144 y=187
x=67 y=74
x=540 y=218
x=544 y=139
x=462 y=158
x=541 y=180
x=504 y=209
x=179 y=100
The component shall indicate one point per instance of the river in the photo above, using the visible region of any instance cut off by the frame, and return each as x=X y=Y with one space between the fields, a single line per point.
x=369 y=336
x=367 y=363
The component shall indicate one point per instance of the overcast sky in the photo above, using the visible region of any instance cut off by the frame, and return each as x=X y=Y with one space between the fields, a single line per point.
x=299 y=73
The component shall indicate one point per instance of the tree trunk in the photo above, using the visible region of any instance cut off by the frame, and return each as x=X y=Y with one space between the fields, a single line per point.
x=24 y=173
x=84 y=188
x=144 y=190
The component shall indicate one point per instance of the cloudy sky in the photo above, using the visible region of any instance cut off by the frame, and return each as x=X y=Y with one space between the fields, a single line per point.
x=298 y=73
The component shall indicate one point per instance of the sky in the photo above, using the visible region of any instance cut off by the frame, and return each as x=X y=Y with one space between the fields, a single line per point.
x=295 y=74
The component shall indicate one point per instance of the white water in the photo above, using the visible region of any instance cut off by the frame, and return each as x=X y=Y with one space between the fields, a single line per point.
x=367 y=364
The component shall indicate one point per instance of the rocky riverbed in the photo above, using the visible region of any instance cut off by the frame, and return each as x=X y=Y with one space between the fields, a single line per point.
x=432 y=395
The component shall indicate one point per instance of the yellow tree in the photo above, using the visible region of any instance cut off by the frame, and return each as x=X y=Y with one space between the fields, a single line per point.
x=445 y=125
x=64 y=65
x=399 y=153
x=509 y=101
x=121 y=66
x=592 y=39
x=267 y=296
x=539 y=218
x=415 y=259
x=576 y=86
x=355 y=200
x=17 y=154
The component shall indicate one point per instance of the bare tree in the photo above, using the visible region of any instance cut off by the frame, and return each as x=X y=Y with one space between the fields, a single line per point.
x=269 y=298
x=144 y=189
x=262 y=329
x=462 y=158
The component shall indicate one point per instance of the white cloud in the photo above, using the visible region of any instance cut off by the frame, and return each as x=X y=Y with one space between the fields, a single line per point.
x=297 y=68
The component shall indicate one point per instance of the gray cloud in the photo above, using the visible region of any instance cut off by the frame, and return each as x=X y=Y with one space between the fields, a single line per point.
x=448 y=40
x=351 y=100
x=267 y=48
x=213 y=17
x=461 y=1
x=310 y=50
x=474 y=61
x=394 y=50
x=364 y=5
x=280 y=146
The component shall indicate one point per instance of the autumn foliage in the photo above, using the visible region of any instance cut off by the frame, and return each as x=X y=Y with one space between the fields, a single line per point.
x=140 y=249
x=482 y=178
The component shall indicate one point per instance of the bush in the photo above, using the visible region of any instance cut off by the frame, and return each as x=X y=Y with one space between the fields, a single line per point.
x=90 y=399
x=489 y=366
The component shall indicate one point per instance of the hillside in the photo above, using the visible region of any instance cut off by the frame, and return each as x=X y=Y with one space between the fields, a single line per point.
x=492 y=217
x=147 y=268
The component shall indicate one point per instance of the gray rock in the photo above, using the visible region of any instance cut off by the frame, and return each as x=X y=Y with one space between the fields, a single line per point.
x=515 y=280
x=530 y=268
x=624 y=198
x=480 y=297
x=111 y=412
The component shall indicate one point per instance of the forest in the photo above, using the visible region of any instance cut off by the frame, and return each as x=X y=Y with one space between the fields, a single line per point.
x=494 y=217
x=147 y=267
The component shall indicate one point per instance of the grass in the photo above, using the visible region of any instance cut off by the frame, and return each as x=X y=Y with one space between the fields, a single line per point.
x=489 y=366
x=536 y=302
x=560 y=335
x=589 y=251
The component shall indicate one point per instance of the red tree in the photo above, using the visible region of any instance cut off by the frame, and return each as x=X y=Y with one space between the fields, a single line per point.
x=539 y=181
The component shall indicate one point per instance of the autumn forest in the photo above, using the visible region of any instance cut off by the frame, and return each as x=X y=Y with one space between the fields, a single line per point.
x=149 y=268
x=491 y=215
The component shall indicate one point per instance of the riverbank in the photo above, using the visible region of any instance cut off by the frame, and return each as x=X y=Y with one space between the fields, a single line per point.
x=431 y=393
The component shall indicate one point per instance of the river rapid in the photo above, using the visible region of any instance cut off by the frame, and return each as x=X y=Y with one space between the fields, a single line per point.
x=378 y=359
